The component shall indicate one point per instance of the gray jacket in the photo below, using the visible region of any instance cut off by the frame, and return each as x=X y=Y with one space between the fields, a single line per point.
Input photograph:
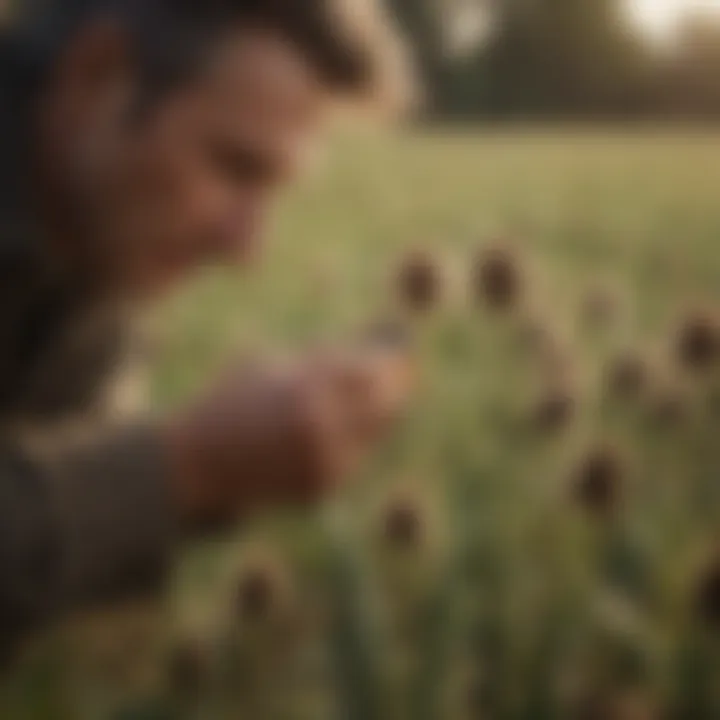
x=84 y=515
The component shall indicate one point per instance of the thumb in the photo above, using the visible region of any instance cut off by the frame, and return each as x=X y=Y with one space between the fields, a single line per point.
x=373 y=388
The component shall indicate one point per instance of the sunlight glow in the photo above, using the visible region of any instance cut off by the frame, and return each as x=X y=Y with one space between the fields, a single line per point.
x=660 y=17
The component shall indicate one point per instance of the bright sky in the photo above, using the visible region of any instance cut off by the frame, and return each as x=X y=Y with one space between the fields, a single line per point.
x=660 y=16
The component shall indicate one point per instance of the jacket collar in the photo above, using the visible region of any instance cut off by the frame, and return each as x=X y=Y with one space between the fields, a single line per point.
x=18 y=85
x=24 y=257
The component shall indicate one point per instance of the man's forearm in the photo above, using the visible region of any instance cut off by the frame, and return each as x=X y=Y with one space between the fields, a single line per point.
x=93 y=525
x=114 y=514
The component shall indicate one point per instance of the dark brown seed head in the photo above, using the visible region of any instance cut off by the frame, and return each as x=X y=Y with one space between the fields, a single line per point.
x=668 y=406
x=698 y=342
x=258 y=593
x=554 y=411
x=627 y=377
x=707 y=595
x=404 y=524
x=598 y=481
x=420 y=282
x=497 y=278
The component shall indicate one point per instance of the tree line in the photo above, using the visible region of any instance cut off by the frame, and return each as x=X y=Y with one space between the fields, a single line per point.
x=567 y=59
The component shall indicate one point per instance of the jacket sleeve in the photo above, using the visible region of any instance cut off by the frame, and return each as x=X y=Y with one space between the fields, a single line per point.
x=93 y=525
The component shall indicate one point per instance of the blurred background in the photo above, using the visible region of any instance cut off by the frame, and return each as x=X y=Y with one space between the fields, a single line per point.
x=541 y=538
x=563 y=60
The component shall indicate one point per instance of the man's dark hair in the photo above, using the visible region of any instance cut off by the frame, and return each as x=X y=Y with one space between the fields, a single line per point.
x=347 y=41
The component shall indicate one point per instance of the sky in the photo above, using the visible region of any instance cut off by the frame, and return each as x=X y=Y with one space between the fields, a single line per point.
x=658 y=17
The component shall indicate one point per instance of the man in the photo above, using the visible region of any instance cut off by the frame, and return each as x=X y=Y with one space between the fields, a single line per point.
x=141 y=139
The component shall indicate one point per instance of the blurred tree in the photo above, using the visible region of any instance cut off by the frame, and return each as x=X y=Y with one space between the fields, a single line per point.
x=423 y=24
x=691 y=86
x=562 y=57
x=566 y=59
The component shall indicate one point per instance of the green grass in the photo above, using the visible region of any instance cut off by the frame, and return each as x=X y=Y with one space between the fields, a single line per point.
x=515 y=588
x=642 y=208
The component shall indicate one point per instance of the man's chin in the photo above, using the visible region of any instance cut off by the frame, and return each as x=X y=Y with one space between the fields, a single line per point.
x=246 y=253
x=158 y=286
x=171 y=279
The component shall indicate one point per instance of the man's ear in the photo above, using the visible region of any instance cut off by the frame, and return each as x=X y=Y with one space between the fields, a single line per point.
x=93 y=75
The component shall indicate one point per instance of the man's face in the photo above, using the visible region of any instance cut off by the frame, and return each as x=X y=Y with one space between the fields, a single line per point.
x=189 y=182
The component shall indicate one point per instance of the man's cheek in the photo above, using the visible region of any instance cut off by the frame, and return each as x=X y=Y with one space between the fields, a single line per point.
x=245 y=234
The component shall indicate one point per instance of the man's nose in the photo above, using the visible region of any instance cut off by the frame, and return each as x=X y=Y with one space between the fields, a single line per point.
x=237 y=235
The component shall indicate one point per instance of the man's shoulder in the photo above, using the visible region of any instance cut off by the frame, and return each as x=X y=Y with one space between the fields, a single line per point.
x=59 y=355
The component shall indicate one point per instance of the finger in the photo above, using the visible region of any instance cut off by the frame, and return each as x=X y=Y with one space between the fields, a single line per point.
x=322 y=448
x=395 y=378
x=372 y=388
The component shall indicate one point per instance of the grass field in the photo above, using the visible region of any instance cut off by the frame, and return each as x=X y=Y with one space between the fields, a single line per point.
x=499 y=589
x=640 y=207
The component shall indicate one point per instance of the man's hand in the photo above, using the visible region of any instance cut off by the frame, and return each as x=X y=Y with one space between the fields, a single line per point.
x=284 y=432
